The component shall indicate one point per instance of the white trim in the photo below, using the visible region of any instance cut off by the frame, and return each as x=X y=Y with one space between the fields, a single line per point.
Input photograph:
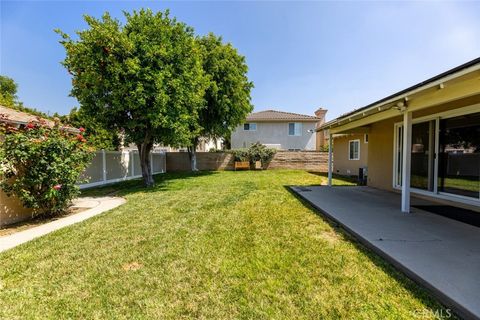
x=447 y=114
x=249 y=125
x=295 y=124
x=358 y=156
x=445 y=196
x=107 y=182
x=406 y=160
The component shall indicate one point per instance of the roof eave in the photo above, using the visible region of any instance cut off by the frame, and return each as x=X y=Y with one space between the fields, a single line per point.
x=383 y=104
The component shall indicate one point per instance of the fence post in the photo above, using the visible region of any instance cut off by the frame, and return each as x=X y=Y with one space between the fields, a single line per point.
x=151 y=163
x=132 y=160
x=164 y=168
x=104 y=165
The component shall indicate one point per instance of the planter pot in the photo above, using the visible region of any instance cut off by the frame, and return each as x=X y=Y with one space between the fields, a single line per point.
x=242 y=165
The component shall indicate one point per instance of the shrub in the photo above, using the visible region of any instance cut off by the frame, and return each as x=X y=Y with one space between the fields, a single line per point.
x=41 y=165
x=259 y=152
x=256 y=152
x=241 y=155
x=324 y=148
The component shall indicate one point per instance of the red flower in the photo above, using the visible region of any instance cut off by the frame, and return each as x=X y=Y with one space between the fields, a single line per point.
x=30 y=125
x=57 y=186
x=81 y=129
x=81 y=138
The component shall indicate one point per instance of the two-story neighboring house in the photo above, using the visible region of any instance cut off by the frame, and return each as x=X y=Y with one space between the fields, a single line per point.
x=280 y=130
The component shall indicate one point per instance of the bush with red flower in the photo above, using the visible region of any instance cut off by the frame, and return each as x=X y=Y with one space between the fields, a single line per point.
x=41 y=165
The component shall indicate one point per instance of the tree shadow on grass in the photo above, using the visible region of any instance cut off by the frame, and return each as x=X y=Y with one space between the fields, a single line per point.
x=162 y=182
x=417 y=289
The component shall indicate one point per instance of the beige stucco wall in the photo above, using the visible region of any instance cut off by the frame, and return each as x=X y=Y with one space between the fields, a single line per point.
x=11 y=210
x=275 y=133
x=380 y=147
x=341 y=164
x=380 y=154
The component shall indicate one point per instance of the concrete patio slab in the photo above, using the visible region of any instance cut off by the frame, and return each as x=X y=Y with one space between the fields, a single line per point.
x=95 y=205
x=439 y=253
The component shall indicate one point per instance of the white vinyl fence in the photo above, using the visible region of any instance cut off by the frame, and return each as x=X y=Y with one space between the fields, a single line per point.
x=114 y=166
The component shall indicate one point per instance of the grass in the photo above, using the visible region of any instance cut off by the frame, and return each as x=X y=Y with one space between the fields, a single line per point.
x=217 y=245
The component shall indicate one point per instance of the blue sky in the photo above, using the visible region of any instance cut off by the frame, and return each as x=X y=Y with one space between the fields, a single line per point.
x=301 y=55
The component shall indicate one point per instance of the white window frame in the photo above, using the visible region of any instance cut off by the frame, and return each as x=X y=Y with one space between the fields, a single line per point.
x=435 y=193
x=349 y=146
x=250 y=126
x=295 y=133
x=365 y=138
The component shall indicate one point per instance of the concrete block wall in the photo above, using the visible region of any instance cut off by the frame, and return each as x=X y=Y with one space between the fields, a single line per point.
x=305 y=160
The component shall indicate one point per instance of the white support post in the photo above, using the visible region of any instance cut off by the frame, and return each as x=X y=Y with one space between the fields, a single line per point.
x=330 y=162
x=406 y=163
x=104 y=165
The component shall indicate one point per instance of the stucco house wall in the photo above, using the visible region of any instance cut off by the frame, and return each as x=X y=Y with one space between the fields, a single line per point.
x=341 y=163
x=276 y=135
x=11 y=210
x=380 y=154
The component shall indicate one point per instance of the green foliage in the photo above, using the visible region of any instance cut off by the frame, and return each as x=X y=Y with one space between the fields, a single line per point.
x=41 y=165
x=241 y=155
x=256 y=152
x=227 y=98
x=8 y=91
x=324 y=148
x=97 y=136
x=144 y=77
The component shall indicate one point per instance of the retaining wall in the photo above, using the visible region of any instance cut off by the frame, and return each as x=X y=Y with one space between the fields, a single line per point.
x=306 y=160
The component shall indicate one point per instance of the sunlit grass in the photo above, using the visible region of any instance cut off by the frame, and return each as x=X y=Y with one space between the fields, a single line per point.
x=217 y=245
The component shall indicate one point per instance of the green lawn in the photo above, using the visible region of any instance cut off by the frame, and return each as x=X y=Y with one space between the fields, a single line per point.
x=218 y=245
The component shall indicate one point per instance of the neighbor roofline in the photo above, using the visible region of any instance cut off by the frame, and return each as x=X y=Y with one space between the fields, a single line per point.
x=376 y=106
x=282 y=120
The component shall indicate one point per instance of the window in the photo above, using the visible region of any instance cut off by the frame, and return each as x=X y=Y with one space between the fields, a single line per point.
x=444 y=156
x=250 y=127
x=365 y=138
x=294 y=129
x=354 y=150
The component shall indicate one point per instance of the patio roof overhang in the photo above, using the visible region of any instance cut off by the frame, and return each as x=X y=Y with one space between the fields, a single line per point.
x=456 y=84
x=460 y=82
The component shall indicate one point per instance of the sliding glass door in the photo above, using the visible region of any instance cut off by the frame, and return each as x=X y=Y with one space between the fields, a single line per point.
x=423 y=154
x=456 y=140
x=459 y=156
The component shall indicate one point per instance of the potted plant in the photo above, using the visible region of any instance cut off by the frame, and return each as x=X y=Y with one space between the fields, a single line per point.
x=242 y=160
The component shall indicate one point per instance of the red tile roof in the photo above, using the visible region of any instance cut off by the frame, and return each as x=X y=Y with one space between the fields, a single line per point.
x=20 y=117
x=278 y=116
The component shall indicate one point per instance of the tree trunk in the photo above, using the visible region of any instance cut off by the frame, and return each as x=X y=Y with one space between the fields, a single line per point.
x=192 y=153
x=144 y=149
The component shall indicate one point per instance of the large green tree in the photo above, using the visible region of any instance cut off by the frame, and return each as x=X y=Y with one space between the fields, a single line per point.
x=96 y=134
x=227 y=98
x=144 y=77
x=8 y=91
